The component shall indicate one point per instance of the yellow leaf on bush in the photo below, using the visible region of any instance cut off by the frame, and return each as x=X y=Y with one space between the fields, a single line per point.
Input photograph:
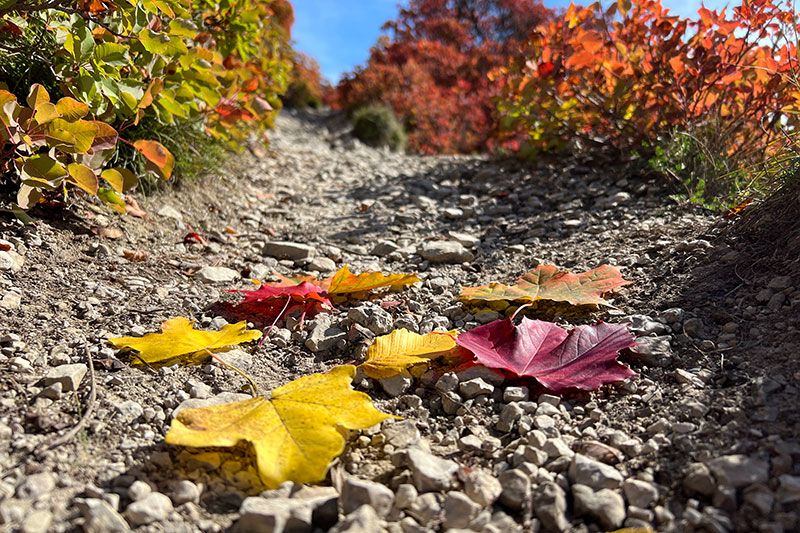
x=83 y=176
x=345 y=282
x=178 y=340
x=391 y=354
x=112 y=200
x=295 y=434
x=159 y=159
x=37 y=96
x=71 y=110
x=71 y=137
x=45 y=112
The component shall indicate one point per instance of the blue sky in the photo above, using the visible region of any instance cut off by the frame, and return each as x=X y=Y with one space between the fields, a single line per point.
x=340 y=33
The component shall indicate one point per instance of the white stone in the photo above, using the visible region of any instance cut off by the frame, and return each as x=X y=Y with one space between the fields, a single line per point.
x=155 y=507
x=594 y=474
x=357 y=492
x=216 y=274
x=430 y=473
x=70 y=376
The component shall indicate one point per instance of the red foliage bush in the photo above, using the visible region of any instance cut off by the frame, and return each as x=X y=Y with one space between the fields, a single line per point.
x=627 y=77
x=433 y=67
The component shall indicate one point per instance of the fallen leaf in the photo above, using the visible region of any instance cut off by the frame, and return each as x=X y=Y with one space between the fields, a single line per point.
x=136 y=256
x=295 y=433
x=178 y=340
x=401 y=349
x=547 y=282
x=110 y=233
x=4 y=247
x=133 y=209
x=283 y=290
x=582 y=358
x=345 y=282
x=193 y=238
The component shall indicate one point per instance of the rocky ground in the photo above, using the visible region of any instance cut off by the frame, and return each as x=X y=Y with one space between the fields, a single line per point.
x=705 y=439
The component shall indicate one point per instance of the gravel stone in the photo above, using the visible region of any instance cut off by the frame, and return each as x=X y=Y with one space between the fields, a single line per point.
x=445 y=252
x=216 y=274
x=482 y=487
x=640 y=493
x=37 y=521
x=430 y=473
x=550 y=506
x=515 y=394
x=36 y=486
x=100 y=517
x=185 y=491
x=459 y=510
x=69 y=376
x=362 y=520
x=605 y=505
x=594 y=474
x=289 y=250
x=474 y=388
x=357 y=492
x=516 y=488
x=155 y=507
x=739 y=470
x=698 y=480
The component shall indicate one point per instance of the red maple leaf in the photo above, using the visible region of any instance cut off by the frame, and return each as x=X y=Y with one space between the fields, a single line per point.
x=582 y=358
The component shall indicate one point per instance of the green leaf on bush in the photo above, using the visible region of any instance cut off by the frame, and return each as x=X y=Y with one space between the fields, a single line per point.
x=111 y=53
x=161 y=44
x=43 y=167
x=120 y=179
x=112 y=200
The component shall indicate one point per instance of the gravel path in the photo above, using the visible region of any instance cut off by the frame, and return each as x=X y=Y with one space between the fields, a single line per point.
x=705 y=439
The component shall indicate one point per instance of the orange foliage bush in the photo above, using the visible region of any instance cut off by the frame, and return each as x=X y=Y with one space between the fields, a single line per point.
x=624 y=78
x=433 y=69
x=306 y=87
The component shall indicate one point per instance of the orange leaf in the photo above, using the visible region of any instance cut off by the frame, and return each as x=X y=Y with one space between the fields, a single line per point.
x=159 y=159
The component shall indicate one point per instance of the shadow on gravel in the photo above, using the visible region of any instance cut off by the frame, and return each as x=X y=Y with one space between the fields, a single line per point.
x=742 y=341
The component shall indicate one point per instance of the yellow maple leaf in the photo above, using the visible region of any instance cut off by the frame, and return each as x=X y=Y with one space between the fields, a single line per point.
x=179 y=340
x=295 y=433
x=345 y=282
x=391 y=354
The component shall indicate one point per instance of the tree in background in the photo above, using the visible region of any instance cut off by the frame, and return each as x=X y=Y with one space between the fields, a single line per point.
x=433 y=69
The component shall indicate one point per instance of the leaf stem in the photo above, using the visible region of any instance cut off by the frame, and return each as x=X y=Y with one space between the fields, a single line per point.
x=250 y=381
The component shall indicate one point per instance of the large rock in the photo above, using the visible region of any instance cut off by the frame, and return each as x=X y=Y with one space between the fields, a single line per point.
x=594 y=474
x=445 y=252
x=430 y=473
x=289 y=250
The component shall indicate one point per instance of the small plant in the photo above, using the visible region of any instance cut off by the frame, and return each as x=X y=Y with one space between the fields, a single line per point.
x=378 y=126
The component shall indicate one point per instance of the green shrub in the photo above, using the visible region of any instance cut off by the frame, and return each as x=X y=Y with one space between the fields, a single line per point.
x=378 y=126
